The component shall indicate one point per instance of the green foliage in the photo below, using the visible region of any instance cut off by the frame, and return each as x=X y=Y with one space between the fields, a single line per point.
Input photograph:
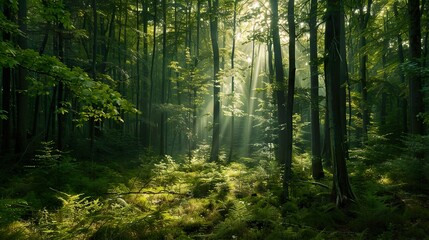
x=182 y=198
x=12 y=210
x=97 y=100
x=73 y=220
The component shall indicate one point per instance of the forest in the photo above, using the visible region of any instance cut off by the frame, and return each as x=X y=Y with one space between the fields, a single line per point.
x=214 y=119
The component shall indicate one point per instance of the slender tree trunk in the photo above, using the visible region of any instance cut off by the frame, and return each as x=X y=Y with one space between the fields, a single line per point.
x=383 y=104
x=37 y=100
x=152 y=67
x=60 y=97
x=416 y=106
x=93 y=69
x=197 y=55
x=137 y=124
x=364 y=18
x=162 y=123
x=22 y=86
x=248 y=138
x=345 y=83
x=213 y=11
x=144 y=133
x=290 y=99
x=6 y=84
x=404 y=101
x=342 y=192
x=316 y=163
x=280 y=92
x=234 y=32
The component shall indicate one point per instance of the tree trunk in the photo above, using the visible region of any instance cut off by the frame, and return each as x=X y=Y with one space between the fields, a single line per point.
x=197 y=55
x=6 y=84
x=280 y=86
x=364 y=18
x=21 y=86
x=290 y=99
x=234 y=31
x=152 y=68
x=213 y=12
x=404 y=101
x=342 y=192
x=137 y=123
x=345 y=83
x=162 y=123
x=316 y=161
x=415 y=80
x=144 y=132
x=60 y=97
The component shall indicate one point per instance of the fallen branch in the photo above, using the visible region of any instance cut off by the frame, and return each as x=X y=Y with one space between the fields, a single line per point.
x=317 y=184
x=150 y=192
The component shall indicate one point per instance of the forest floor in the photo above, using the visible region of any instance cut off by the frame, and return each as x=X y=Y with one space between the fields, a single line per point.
x=138 y=196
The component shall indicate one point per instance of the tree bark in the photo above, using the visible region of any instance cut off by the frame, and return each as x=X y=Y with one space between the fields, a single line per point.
x=416 y=106
x=401 y=58
x=162 y=123
x=6 y=84
x=145 y=127
x=364 y=18
x=316 y=161
x=342 y=192
x=213 y=12
x=290 y=100
x=22 y=86
x=279 y=89
x=234 y=32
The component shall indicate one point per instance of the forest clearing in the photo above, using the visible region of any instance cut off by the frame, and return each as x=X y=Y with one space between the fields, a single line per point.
x=214 y=119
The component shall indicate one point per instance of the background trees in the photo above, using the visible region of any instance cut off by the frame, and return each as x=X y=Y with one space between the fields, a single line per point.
x=241 y=76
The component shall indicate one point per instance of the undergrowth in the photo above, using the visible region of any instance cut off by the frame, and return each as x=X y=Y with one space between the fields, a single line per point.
x=58 y=197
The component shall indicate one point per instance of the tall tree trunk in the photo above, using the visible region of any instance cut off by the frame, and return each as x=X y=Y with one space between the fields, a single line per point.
x=93 y=69
x=21 y=86
x=415 y=80
x=197 y=55
x=342 y=192
x=37 y=100
x=60 y=97
x=280 y=86
x=364 y=18
x=234 y=32
x=290 y=99
x=137 y=124
x=316 y=161
x=144 y=132
x=6 y=84
x=404 y=101
x=162 y=123
x=213 y=12
x=152 y=68
x=345 y=83
x=383 y=104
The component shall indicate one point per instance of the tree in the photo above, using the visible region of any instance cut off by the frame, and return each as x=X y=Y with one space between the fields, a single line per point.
x=364 y=18
x=21 y=86
x=234 y=34
x=316 y=161
x=416 y=107
x=279 y=88
x=6 y=84
x=164 y=79
x=401 y=58
x=213 y=11
x=290 y=98
x=342 y=192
